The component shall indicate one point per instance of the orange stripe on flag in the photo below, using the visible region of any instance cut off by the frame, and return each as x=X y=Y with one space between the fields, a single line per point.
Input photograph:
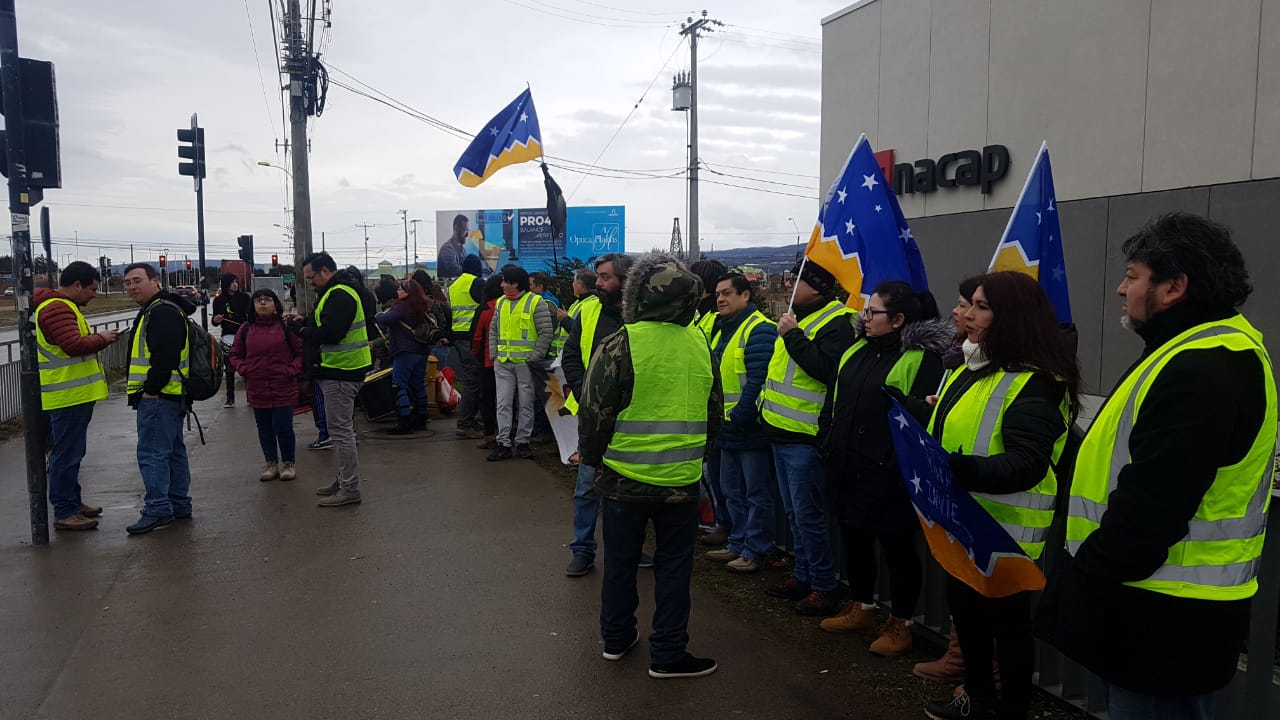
x=826 y=253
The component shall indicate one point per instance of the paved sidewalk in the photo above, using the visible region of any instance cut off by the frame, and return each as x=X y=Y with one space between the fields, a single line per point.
x=442 y=596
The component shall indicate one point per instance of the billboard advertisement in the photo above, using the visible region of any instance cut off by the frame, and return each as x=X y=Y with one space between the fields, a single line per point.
x=523 y=236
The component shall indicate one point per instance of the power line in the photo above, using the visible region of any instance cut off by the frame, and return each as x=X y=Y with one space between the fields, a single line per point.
x=762 y=190
x=762 y=170
x=636 y=12
x=261 y=82
x=275 y=42
x=767 y=182
x=619 y=23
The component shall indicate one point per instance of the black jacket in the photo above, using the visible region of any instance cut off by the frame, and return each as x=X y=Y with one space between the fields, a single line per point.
x=1201 y=413
x=865 y=484
x=575 y=368
x=166 y=337
x=339 y=313
x=818 y=358
x=235 y=311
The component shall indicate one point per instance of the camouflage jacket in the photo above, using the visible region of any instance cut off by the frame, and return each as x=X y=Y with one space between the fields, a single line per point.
x=658 y=288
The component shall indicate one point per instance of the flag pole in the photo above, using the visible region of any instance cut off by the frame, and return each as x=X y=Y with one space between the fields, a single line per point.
x=795 y=284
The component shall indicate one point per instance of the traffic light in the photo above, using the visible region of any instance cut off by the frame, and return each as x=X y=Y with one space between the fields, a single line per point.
x=106 y=268
x=275 y=261
x=188 y=264
x=246 y=249
x=39 y=126
x=192 y=150
x=162 y=261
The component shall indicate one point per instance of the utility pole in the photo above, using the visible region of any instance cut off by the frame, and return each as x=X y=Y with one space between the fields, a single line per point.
x=322 y=249
x=415 y=243
x=300 y=65
x=404 y=215
x=692 y=30
x=366 y=227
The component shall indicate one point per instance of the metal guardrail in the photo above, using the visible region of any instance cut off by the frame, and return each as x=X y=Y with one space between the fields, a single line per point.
x=115 y=357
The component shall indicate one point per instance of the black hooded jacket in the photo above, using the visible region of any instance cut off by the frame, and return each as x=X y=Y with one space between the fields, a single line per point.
x=235 y=309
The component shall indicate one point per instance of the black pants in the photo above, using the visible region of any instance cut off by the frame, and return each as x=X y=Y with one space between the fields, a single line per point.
x=675 y=527
x=906 y=577
x=489 y=400
x=230 y=378
x=1003 y=624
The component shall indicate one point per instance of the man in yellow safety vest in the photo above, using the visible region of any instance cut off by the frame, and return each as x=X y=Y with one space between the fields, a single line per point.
x=465 y=295
x=1168 y=507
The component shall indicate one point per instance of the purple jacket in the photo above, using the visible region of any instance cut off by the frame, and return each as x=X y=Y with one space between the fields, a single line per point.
x=399 y=340
x=270 y=360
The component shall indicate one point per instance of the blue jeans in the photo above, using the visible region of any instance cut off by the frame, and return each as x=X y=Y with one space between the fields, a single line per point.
x=275 y=428
x=746 y=476
x=317 y=410
x=409 y=373
x=586 y=506
x=162 y=458
x=802 y=480
x=1128 y=705
x=675 y=526
x=711 y=474
x=68 y=433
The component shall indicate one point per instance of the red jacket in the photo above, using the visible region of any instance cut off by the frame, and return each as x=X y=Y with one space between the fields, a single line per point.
x=270 y=360
x=480 y=341
x=58 y=323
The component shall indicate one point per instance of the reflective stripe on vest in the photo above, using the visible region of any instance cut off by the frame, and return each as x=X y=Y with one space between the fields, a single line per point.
x=461 y=303
x=588 y=310
x=974 y=425
x=140 y=355
x=66 y=380
x=733 y=363
x=352 y=351
x=1219 y=556
x=661 y=436
x=707 y=324
x=791 y=399
x=517 y=331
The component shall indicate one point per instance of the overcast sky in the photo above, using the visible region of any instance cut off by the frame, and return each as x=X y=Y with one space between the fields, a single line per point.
x=130 y=73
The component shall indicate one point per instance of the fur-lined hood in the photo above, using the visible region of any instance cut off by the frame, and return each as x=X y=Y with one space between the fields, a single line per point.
x=660 y=288
x=934 y=336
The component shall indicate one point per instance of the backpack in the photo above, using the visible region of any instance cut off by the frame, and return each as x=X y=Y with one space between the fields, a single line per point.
x=206 y=359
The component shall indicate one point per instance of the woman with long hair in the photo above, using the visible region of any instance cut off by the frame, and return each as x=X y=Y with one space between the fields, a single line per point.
x=408 y=312
x=1004 y=417
x=438 y=305
x=900 y=342
x=270 y=360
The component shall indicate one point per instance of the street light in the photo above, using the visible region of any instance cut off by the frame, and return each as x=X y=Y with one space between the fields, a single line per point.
x=797 y=227
x=264 y=163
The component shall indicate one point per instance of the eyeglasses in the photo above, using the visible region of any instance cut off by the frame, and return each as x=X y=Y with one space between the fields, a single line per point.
x=264 y=300
x=870 y=312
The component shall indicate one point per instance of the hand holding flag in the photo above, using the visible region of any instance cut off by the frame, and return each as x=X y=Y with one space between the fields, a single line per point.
x=511 y=137
x=861 y=236
x=1032 y=241
x=963 y=537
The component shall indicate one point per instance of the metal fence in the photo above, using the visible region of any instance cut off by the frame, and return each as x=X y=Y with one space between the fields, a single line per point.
x=115 y=357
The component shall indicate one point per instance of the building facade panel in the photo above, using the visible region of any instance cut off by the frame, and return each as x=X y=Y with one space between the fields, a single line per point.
x=904 y=85
x=1266 y=135
x=850 y=69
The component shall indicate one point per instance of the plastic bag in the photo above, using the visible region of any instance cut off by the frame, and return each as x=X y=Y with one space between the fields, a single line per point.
x=447 y=398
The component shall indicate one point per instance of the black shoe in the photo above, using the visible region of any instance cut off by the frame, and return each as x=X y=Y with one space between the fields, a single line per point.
x=580 y=565
x=147 y=523
x=524 y=452
x=619 y=652
x=404 y=426
x=960 y=707
x=502 y=452
x=788 y=589
x=182 y=516
x=419 y=421
x=646 y=560
x=321 y=444
x=819 y=603
x=686 y=667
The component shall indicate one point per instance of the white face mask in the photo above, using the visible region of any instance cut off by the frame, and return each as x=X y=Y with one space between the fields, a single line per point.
x=973 y=357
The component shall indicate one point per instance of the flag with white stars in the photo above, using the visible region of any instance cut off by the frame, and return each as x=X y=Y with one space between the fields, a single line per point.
x=861 y=236
x=1032 y=241
x=511 y=137
x=963 y=537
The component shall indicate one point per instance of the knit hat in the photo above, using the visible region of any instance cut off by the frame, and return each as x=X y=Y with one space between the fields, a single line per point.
x=817 y=277
x=472 y=264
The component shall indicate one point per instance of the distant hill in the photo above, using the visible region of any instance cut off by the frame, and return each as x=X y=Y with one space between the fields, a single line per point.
x=769 y=259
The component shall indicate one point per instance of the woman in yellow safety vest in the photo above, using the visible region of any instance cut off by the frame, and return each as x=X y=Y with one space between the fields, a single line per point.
x=1004 y=417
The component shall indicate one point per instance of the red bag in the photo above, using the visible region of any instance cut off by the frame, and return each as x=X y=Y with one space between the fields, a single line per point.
x=447 y=398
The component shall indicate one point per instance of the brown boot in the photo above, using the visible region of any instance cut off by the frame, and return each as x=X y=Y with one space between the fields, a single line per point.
x=949 y=668
x=853 y=618
x=489 y=443
x=895 y=638
x=75 y=522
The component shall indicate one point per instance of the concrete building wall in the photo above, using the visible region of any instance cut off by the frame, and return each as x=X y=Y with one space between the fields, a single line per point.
x=1132 y=96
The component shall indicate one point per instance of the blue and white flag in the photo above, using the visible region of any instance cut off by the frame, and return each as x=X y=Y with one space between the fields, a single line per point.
x=1032 y=241
x=511 y=137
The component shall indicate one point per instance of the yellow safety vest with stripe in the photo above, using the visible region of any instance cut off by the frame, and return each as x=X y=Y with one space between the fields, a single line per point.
x=974 y=425
x=661 y=437
x=733 y=362
x=462 y=304
x=352 y=351
x=902 y=375
x=791 y=399
x=1218 y=558
x=140 y=355
x=707 y=323
x=588 y=314
x=517 y=331
x=66 y=380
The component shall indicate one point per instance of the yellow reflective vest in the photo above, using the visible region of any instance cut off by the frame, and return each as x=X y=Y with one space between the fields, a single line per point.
x=792 y=400
x=974 y=425
x=587 y=311
x=66 y=380
x=140 y=355
x=661 y=437
x=733 y=362
x=461 y=303
x=1219 y=556
x=352 y=351
x=517 y=331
